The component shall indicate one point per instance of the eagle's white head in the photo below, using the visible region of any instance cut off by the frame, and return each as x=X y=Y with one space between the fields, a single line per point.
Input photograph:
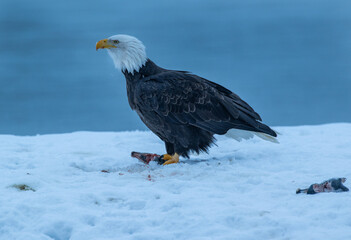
x=127 y=52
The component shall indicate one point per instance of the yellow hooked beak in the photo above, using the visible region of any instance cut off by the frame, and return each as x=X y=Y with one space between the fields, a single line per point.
x=104 y=44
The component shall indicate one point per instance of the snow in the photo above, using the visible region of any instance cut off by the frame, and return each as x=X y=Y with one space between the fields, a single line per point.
x=240 y=190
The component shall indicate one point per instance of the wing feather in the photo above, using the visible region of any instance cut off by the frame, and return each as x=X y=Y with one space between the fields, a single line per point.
x=183 y=98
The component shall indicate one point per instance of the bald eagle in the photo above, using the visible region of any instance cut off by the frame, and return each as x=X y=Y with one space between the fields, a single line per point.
x=182 y=109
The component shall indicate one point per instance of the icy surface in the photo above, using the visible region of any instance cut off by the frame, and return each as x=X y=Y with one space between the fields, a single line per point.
x=240 y=190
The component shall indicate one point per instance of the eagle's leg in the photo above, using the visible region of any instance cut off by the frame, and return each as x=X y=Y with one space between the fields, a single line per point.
x=173 y=159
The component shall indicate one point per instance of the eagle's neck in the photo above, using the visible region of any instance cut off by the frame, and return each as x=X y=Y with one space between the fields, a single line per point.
x=148 y=69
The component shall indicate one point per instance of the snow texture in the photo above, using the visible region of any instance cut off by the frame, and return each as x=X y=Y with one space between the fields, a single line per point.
x=240 y=190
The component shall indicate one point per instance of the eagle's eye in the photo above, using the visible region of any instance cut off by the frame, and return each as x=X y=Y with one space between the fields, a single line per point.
x=115 y=41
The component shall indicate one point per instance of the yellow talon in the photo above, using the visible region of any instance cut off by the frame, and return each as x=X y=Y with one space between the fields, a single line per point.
x=166 y=157
x=173 y=159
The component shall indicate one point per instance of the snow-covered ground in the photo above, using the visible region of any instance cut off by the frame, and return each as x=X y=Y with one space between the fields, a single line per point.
x=240 y=190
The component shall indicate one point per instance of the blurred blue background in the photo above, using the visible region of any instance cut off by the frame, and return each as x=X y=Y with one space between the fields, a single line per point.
x=290 y=60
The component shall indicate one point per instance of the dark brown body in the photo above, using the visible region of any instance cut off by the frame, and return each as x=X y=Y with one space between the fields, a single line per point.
x=185 y=110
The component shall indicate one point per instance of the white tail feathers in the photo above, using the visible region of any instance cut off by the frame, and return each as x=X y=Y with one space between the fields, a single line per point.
x=266 y=137
x=239 y=135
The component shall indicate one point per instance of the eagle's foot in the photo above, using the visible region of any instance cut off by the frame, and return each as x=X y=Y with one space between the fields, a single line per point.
x=160 y=159
x=166 y=157
x=171 y=159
